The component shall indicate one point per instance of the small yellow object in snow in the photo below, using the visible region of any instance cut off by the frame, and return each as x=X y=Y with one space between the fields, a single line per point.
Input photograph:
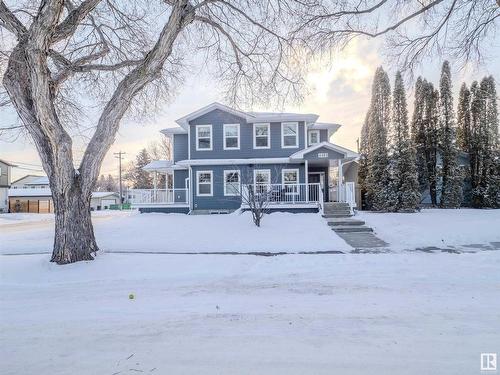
x=131 y=296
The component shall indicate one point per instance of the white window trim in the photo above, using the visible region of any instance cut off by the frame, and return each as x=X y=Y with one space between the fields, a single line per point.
x=255 y=171
x=316 y=131
x=211 y=183
x=226 y=172
x=268 y=136
x=296 y=145
x=285 y=170
x=211 y=138
x=224 y=136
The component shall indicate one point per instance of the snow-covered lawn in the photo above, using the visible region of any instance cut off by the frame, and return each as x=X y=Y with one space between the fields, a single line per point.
x=410 y=313
x=435 y=227
x=131 y=231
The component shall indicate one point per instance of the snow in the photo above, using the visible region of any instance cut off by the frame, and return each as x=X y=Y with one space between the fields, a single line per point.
x=411 y=313
x=435 y=227
x=156 y=232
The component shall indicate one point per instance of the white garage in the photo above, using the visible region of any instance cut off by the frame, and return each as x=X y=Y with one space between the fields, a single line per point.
x=102 y=200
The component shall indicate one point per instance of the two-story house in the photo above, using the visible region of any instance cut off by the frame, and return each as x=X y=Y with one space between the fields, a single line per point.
x=218 y=152
x=5 y=177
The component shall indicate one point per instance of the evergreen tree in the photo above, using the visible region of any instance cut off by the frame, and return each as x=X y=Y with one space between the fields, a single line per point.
x=418 y=133
x=139 y=178
x=430 y=137
x=491 y=174
x=404 y=173
x=463 y=119
x=451 y=180
x=378 y=184
x=363 y=162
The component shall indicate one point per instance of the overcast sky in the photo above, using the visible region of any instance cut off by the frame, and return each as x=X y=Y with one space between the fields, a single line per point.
x=340 y=93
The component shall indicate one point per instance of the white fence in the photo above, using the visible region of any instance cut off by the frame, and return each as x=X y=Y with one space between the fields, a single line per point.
x=347 y=193
x=158 y=196
x=285 y=193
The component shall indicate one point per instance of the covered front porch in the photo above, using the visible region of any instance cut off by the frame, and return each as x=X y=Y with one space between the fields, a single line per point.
x=164 y=193
x=335 y=169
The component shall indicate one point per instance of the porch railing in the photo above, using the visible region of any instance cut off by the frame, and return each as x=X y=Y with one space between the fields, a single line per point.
x=285 y=193
x=347 y=193
x=158 y=196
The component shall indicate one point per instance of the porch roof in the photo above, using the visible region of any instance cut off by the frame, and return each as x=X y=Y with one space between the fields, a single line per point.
x=299 y=155
x=162 y=166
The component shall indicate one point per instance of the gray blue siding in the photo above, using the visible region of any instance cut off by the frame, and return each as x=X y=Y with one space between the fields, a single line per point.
x=218 y=200
x=180 y=147
x=217 y=118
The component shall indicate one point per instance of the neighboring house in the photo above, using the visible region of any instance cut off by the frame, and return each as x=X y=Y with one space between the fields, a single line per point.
x=32 y=194
x=103 y=200
x=220 y=152
x=5 y=176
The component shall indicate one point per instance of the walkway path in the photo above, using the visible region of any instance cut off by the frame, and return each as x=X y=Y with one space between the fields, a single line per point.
x=353 y=231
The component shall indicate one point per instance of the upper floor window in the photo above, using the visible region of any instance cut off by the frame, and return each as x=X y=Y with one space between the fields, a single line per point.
x=231 y=136
x=261 y=136
x=313 y=137
x=203 y=137
x=289 y=134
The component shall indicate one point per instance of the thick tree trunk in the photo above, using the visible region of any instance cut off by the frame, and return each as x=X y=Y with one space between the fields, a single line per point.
x=74 y=236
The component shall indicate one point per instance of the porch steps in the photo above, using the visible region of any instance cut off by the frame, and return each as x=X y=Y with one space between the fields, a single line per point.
x=339 y=217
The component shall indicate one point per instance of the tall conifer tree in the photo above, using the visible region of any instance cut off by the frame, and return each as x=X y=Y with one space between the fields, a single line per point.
x=451 y=180
x=463 y=119
x=418 y=133
x=404 y=173
x=378 y=182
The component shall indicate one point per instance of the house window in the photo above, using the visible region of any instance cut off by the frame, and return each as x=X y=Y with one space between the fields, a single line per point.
x=261 y=136
x=203 y=137
x=313 y=137
x=231 y=136
x=204 y=183
x=290 y=179
x=262 y=176
x=232 y=183
x=289 y=134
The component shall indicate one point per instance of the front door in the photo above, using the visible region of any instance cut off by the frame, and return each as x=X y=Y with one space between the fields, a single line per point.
x=317 y=178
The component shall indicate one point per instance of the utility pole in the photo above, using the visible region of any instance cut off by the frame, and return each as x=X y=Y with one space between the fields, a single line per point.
x=118 y=155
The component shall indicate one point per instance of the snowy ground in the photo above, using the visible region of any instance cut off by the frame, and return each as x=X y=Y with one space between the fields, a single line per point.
x=436 y=228
x=410 y=313
x=131 y=231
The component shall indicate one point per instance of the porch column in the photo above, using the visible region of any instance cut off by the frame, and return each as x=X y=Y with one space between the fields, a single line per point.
x=306 y=173
x=155 y=180
x=339 y=184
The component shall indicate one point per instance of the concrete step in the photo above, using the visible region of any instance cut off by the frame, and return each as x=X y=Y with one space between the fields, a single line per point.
x=362 y=240
x=335 y=204
x=342 y=222
x=329 y=216
x=336 y=211
x=351 y=228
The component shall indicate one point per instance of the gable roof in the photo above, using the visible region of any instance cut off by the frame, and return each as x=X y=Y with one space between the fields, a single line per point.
x=346 y=152
x=41 y=180
x=250 y=117
x=183 y=121
x=25 y=177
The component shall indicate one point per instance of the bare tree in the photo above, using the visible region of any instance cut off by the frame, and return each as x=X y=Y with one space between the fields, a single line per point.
x=413 y=29
x=110 y=49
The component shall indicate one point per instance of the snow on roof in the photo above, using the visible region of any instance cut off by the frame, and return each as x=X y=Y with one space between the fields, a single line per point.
x=42 y=180
x=172 y=131
x=102 y=194
x=30 y=192
x=7 y=163
x=161 y=166
x=233 y=161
